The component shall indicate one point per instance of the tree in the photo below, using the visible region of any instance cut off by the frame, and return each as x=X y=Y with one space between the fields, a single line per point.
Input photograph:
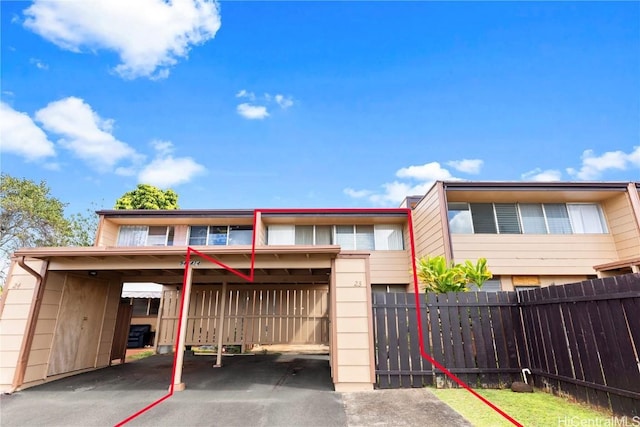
x=147 y=196
x=29 y=216
x=438 y=276
x=83 y=228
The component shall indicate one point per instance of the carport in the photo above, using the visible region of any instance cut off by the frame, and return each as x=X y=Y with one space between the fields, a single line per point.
x=60 y=309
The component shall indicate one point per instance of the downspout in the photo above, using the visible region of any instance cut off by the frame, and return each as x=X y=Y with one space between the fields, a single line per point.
x=36 y=302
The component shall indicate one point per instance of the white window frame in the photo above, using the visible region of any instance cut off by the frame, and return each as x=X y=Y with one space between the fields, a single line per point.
x=146 y=231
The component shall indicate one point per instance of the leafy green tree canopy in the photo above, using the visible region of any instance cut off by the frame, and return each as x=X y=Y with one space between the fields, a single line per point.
x=438 y=276
x=30 y=215
x=147 y=196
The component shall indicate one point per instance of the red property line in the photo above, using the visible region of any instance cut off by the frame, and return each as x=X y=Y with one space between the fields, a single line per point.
x=250 y=278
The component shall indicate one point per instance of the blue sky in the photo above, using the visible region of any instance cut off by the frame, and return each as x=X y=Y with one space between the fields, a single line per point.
x=315 y=104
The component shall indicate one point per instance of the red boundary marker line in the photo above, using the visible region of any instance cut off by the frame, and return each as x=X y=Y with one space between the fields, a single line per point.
x=251 y=276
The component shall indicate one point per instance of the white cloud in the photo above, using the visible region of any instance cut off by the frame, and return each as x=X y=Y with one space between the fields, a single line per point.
x=393 y=193
x=357 y=194
x=283 y=102
x=168 y=171
x=470 y=166
x=252 y=112
x=429 y=171
x=165 y=170
x=149 y=36
x=539 y=175
x=39 y=64
x=85 y=134
x=594 y=166
x=244 y=94
x=162 y=147
x=20 y=135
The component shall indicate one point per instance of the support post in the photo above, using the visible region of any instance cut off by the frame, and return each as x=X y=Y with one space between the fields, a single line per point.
x=221 y=326
x=178 y=385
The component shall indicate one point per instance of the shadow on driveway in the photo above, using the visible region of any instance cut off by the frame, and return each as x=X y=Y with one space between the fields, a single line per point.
x=252 y=390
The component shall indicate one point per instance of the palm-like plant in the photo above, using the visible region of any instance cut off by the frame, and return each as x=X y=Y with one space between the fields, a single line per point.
x=439 y=276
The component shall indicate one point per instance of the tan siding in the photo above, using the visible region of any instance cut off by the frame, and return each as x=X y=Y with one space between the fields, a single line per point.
x=428 y=226
x=506 y=282
x=390 y=267
x=352 y=324
x=108 y=234
x=622 y=226
x=536 y=254
x=18 y=296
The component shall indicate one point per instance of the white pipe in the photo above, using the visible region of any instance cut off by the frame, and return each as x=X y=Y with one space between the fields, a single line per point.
x=524 y=377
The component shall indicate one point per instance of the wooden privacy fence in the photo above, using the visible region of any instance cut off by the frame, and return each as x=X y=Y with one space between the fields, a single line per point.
x=583 y=340
x=472 y=334
x=256 y=315
x=579 y=339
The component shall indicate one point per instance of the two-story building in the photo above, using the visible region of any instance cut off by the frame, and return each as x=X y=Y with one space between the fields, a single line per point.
x=297 y=276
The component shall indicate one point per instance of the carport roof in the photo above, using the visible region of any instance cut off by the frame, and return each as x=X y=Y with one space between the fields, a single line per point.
x=273 y=264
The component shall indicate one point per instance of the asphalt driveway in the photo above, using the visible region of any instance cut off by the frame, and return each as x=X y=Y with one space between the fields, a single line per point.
x=252 y=390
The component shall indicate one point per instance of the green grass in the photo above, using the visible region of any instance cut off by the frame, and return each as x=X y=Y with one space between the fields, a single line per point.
x=141 y=355
x=537 y=409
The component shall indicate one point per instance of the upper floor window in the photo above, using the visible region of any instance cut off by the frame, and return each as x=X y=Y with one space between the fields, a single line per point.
x=143 y=235
x=526 y=218
x=220 y=235
x=377 y=237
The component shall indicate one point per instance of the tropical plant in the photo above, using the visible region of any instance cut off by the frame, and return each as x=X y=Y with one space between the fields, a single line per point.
x=439 y=276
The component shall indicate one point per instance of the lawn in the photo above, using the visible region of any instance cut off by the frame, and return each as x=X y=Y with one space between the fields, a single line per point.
x=537 y=409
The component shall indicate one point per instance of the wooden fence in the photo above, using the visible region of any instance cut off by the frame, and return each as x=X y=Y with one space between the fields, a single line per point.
x=253 y=315
x=583 y=340
x=473 y=335
x=579 y=339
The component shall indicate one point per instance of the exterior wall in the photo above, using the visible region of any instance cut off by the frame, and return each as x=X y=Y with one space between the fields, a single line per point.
x=18 y=298
x=622 y=226
x=45 y=328
x=428 y=224
x=352 y=343
x=541 y=254
x=391 y=267
x=72 y=333
x=506 y=282
x=108 y=233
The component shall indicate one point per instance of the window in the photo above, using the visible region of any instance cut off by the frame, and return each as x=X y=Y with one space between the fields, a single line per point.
x=388 y=237
x=492 y=285
x=379 y=237
x=460 y=218
x=142 y=235
x=145 y=306
x=532 y=218
x=220 y=235
x=240 y=235
x=526 y=218
x=557 y=218
x=586 y=218
x=525 y=288
x=483 y=218
x=507 y=217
